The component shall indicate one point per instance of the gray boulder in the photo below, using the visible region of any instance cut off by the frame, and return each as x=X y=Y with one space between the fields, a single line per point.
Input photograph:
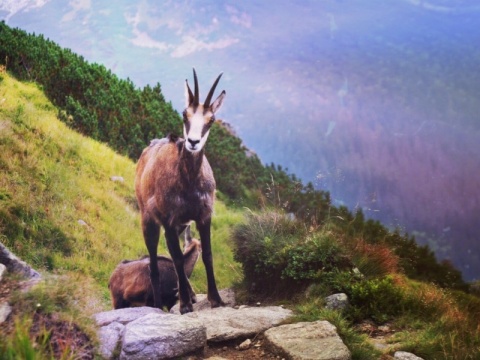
x=15 y=265
x=336 y=301
x=307 y=341
x=162 y=336
x=110 y=337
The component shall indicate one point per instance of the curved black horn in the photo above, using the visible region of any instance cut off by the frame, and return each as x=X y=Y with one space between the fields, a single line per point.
x=196 y=100
x=212 y=90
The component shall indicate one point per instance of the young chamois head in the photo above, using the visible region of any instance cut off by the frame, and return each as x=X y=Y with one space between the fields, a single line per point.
x=197 y=117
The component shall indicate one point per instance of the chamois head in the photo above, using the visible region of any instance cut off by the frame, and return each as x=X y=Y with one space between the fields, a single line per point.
x=198 y=118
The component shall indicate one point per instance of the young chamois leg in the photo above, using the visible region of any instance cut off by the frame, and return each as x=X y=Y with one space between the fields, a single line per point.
x=213 y=295
x=184 y=288
x=151 y=234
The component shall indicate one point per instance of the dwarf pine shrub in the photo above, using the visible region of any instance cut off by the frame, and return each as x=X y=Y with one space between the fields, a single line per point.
x=279 y=253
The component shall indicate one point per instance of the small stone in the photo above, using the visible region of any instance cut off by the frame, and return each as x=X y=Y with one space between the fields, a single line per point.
x=5 y=310
x=336 y=301
x=225 y=348
x=384 y=328
x=258 y=303
x=82 y=222
x=117 y=178
x=245 y=345
x=403 y=355
x=3 y=269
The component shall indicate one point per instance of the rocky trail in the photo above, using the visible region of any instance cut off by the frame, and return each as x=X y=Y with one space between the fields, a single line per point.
x=231 y=332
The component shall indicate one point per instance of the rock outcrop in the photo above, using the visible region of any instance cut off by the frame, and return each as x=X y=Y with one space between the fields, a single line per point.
x=148 y=333
x=11 y=263
x=15 y=265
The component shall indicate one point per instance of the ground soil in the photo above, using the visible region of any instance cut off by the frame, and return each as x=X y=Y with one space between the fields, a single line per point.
x=230 y=350
x=60 y=337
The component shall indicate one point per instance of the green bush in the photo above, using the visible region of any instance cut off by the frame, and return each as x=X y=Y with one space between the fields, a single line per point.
x=378 y=299
x=278 y=253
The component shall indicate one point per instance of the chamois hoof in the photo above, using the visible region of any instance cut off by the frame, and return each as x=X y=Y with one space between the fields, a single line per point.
x=216 y=303
x=194 y=299
x=186 y=308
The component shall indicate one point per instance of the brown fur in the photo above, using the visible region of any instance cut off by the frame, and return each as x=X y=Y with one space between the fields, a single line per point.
x=130 y=281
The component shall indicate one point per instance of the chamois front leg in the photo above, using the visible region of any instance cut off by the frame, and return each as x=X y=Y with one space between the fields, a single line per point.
x=151 y=234
x=213 y=295
x=184 y=288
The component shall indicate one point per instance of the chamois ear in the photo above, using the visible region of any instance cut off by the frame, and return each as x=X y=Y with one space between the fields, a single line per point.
x=218 y=102
x=188 y=237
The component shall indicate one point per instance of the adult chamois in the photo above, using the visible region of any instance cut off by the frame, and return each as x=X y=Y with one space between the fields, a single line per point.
x=130 y=281
x=174 y=185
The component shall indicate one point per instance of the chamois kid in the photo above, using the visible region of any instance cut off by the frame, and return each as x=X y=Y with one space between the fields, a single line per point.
x=174 y=185
x=130 y=281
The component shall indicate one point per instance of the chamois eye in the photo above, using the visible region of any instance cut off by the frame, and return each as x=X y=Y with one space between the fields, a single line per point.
x=212 y=119
x=185 y=119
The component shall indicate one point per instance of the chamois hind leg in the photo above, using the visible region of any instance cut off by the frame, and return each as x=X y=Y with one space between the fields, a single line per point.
x=151 y=234
x=213 y=295
x=184 y=288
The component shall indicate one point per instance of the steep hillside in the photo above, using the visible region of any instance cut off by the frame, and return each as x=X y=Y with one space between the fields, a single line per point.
x=63 y=206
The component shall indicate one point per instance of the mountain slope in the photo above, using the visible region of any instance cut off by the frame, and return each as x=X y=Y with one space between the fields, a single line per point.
x=60 y=210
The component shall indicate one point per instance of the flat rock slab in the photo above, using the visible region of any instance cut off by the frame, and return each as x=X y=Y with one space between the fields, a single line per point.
x=307 y=341
x=225 y=323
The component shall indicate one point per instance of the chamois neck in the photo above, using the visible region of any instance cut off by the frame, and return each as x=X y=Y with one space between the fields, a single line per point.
x=190 y=163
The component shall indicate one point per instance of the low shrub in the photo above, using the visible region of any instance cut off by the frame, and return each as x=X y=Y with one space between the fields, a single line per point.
x=379 y=299
x=279 y=253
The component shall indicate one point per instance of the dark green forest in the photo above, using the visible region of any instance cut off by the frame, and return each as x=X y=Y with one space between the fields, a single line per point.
x=94 y=101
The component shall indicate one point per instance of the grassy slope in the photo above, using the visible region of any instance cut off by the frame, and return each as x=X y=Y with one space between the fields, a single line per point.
x=52 y=177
